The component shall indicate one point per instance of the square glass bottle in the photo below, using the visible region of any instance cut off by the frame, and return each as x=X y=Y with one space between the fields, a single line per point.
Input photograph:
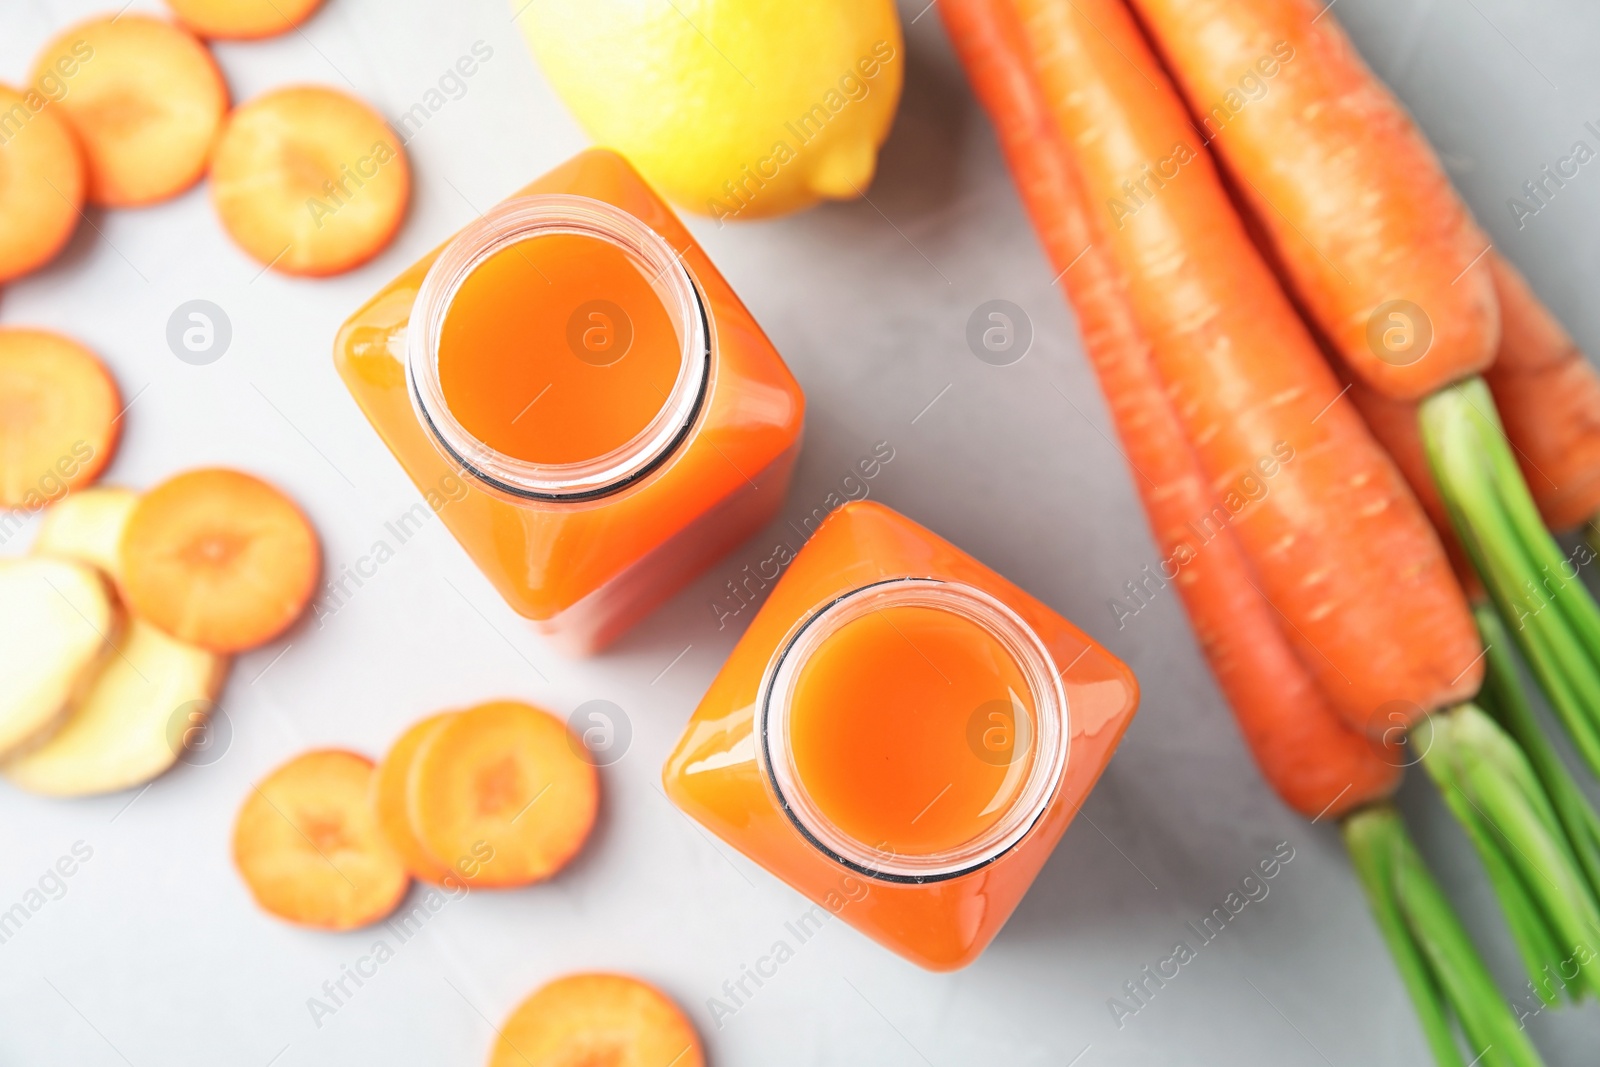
x=617 y=417
x=902 y=735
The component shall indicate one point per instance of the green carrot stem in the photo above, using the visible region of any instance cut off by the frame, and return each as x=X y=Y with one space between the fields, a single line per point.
x=1550 y=613
x=1503 y=698
x=1491 y=1028
x=1437 y=961
x=1558 y=690
x=1370 y=837
x=1490 y=787
x=1537 y=943
x=1566 y=591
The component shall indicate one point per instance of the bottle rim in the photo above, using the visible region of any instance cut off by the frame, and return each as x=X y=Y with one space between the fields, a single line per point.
x=1049 y=747
x=520 y=219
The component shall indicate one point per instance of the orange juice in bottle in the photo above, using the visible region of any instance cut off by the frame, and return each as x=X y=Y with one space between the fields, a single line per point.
x=581 y=397
x=902 y=735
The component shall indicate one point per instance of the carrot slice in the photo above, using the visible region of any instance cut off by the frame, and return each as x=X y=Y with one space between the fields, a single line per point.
x=242 y=20
x=1317 y=764
x=308 y=847
x=309 y=180
x=41 y=183
x=502 y=783
x=219 y=558
x=597 y=1018
x=389 y=800
x=58 y=417
x=146 y=100
x=1548 y=394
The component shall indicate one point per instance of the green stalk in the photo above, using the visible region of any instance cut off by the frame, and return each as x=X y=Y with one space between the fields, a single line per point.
x=1535 y=940
x=1551 y=615
x=1490 y=786
x=1558 y=661
x=1437 y=961
x=1502 y=697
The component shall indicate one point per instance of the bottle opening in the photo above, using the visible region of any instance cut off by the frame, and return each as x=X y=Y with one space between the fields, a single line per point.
x=914 y=729
x=558 y=349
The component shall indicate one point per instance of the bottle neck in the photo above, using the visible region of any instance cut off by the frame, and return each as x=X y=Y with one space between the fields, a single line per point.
x=523 y=219
x=1040 y=737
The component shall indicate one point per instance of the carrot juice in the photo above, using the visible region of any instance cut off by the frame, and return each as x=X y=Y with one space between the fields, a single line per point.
x=504 y=348
x=878 y=728
x=902 y=735
x=572 y=358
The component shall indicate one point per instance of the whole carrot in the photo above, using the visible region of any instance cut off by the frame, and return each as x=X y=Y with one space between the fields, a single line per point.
x=1549 y=400
x=1353 y=202
x=1338 y=546
x=1377 y=244
x=1301 y=745
x=1315 y=762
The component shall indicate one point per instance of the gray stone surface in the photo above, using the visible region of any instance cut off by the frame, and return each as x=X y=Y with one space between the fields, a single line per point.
x=155 y=955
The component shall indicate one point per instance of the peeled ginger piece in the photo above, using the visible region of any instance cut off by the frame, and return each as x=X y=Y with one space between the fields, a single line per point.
x=132 y=723
x=87 y=526
x=55 y=619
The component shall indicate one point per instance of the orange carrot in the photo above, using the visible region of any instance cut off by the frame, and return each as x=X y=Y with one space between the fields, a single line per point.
x=1549 y=400
x=1308 y=754
x=307 y=845
x=1337 y=542
x=42 y=182
x=60 y=417
x=597 y=1019
x=309 y=180
x=1395 y=425
x=242 y=20
x=500 y=793
x=389 y=801
x=1360 y=212
x=219 y=558
x=145 y=99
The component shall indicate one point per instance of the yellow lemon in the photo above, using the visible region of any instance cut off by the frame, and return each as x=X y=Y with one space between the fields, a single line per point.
x=733 y=108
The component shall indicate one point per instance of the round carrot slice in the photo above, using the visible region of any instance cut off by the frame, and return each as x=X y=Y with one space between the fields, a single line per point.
x=218 y=558
x=309 y=181
x=597 y=1018
x=306 y=844
x=146 y=100
x=242 y=20
x=389 y=800
x=58 y=417
x=41 y=183
x=502 y=784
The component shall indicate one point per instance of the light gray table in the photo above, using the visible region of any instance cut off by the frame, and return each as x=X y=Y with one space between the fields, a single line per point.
x=155 y=955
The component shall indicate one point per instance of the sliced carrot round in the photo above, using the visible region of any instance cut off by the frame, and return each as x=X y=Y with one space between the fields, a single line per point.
x=219 y=558
x=502 y=783
x=309 y=180
x=58 y=417
x=389 y=800
x=41 y=183
x=597 y=1018
x=306 y=844
x=242 y=20
x=146 y=100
